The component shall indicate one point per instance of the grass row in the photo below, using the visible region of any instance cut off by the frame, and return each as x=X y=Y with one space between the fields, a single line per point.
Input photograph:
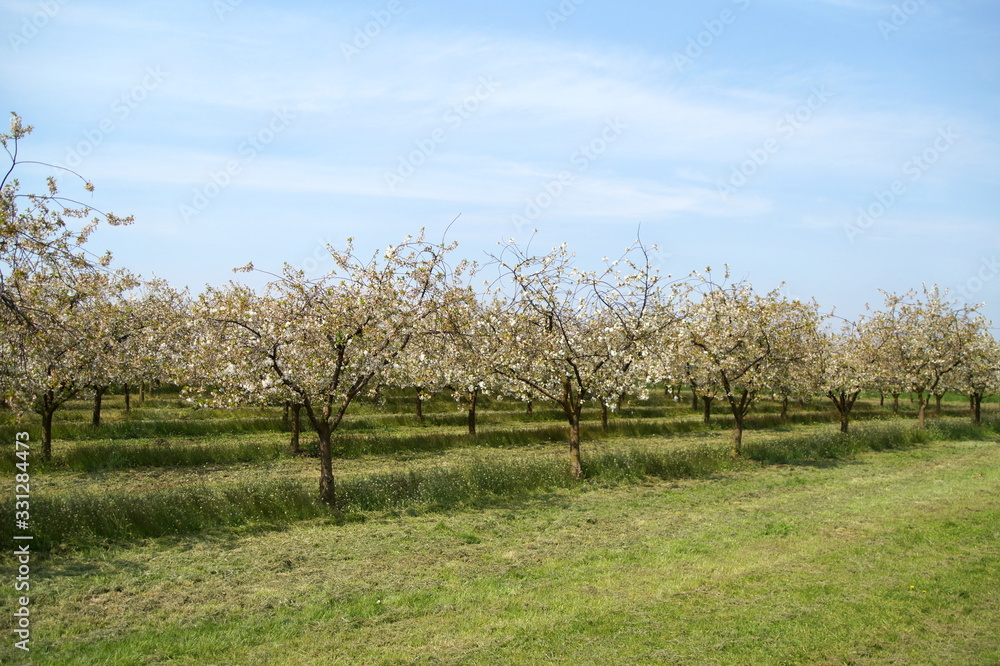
x=160 y=452
x=86 y=517
x=174 y=418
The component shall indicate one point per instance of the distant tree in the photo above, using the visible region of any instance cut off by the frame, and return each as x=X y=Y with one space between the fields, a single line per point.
x=979 y=374
x=848 y=365
x=925 y=340
x=141 y=340
x=51 y=291
x=41 y=234
x=746 y=342
x=325 y=341
x=64 y=347
x=550 y=329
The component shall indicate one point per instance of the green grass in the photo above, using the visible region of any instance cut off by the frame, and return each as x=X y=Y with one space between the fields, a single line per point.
x=888 y=558
x=233 y=441
x=70 y=517
x=89 y=456
x=191 y=536
x=864 y=436
x=68 y=520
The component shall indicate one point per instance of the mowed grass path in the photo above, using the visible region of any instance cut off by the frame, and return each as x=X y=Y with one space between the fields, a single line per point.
x=889 y=558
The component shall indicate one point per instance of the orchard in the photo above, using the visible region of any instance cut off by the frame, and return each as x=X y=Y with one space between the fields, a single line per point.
x=414 y=317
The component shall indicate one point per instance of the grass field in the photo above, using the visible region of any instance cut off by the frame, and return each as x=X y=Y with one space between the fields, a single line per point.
x=206 y=546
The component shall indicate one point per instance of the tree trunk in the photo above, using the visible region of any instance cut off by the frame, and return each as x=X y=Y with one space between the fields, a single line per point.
x=844 y=403
x=142 y=391
x=420 y=405
x=881 y=399
x=327 y=487
x=128 y=399
x=572 y=404
x=694 y=400
x=737 y=447
x=784 y=408
x=293 y=444
x=739 y=408
x=95 y=420
x=284 y=414
x=922 y=410
x=895 y=403
x=604 y=416
x=48 y=409
x=937 y=407
x=977 y=403
x=706 y=402
x=576 y=465
x=529 y=410
x=472 y=411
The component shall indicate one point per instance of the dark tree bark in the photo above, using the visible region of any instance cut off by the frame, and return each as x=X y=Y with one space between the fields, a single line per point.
x=844 y=402
x=529 y=410
x=99 y=391
x=740 y=406
x=572 y=404
x=604 y=416
x=420 y=405
x=47 y=411
x=128 y=399
x=293 y=444
x=327 y=484
x=737 y=447
x=784 y=408
x=706 y=402
x=325 y=421
x=937 y=406
x=576 y=464
x=473 y=401
x=47 y=436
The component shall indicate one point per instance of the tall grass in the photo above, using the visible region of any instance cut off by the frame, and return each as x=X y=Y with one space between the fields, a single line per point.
x=357 y=444
x=85 y=517
x=867 y=436
x=106 y=456
x=68 y=519
x=443 y=487
x=634 y=464
x=75 y=518
x=146 y=429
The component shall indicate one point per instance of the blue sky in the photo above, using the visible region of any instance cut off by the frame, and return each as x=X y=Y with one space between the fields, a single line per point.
x=839 y=146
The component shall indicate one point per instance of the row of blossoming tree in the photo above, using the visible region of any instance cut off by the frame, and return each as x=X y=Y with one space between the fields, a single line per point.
x=534 y=327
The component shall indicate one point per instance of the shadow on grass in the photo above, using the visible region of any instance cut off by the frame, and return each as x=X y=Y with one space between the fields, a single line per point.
x=79 y=519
